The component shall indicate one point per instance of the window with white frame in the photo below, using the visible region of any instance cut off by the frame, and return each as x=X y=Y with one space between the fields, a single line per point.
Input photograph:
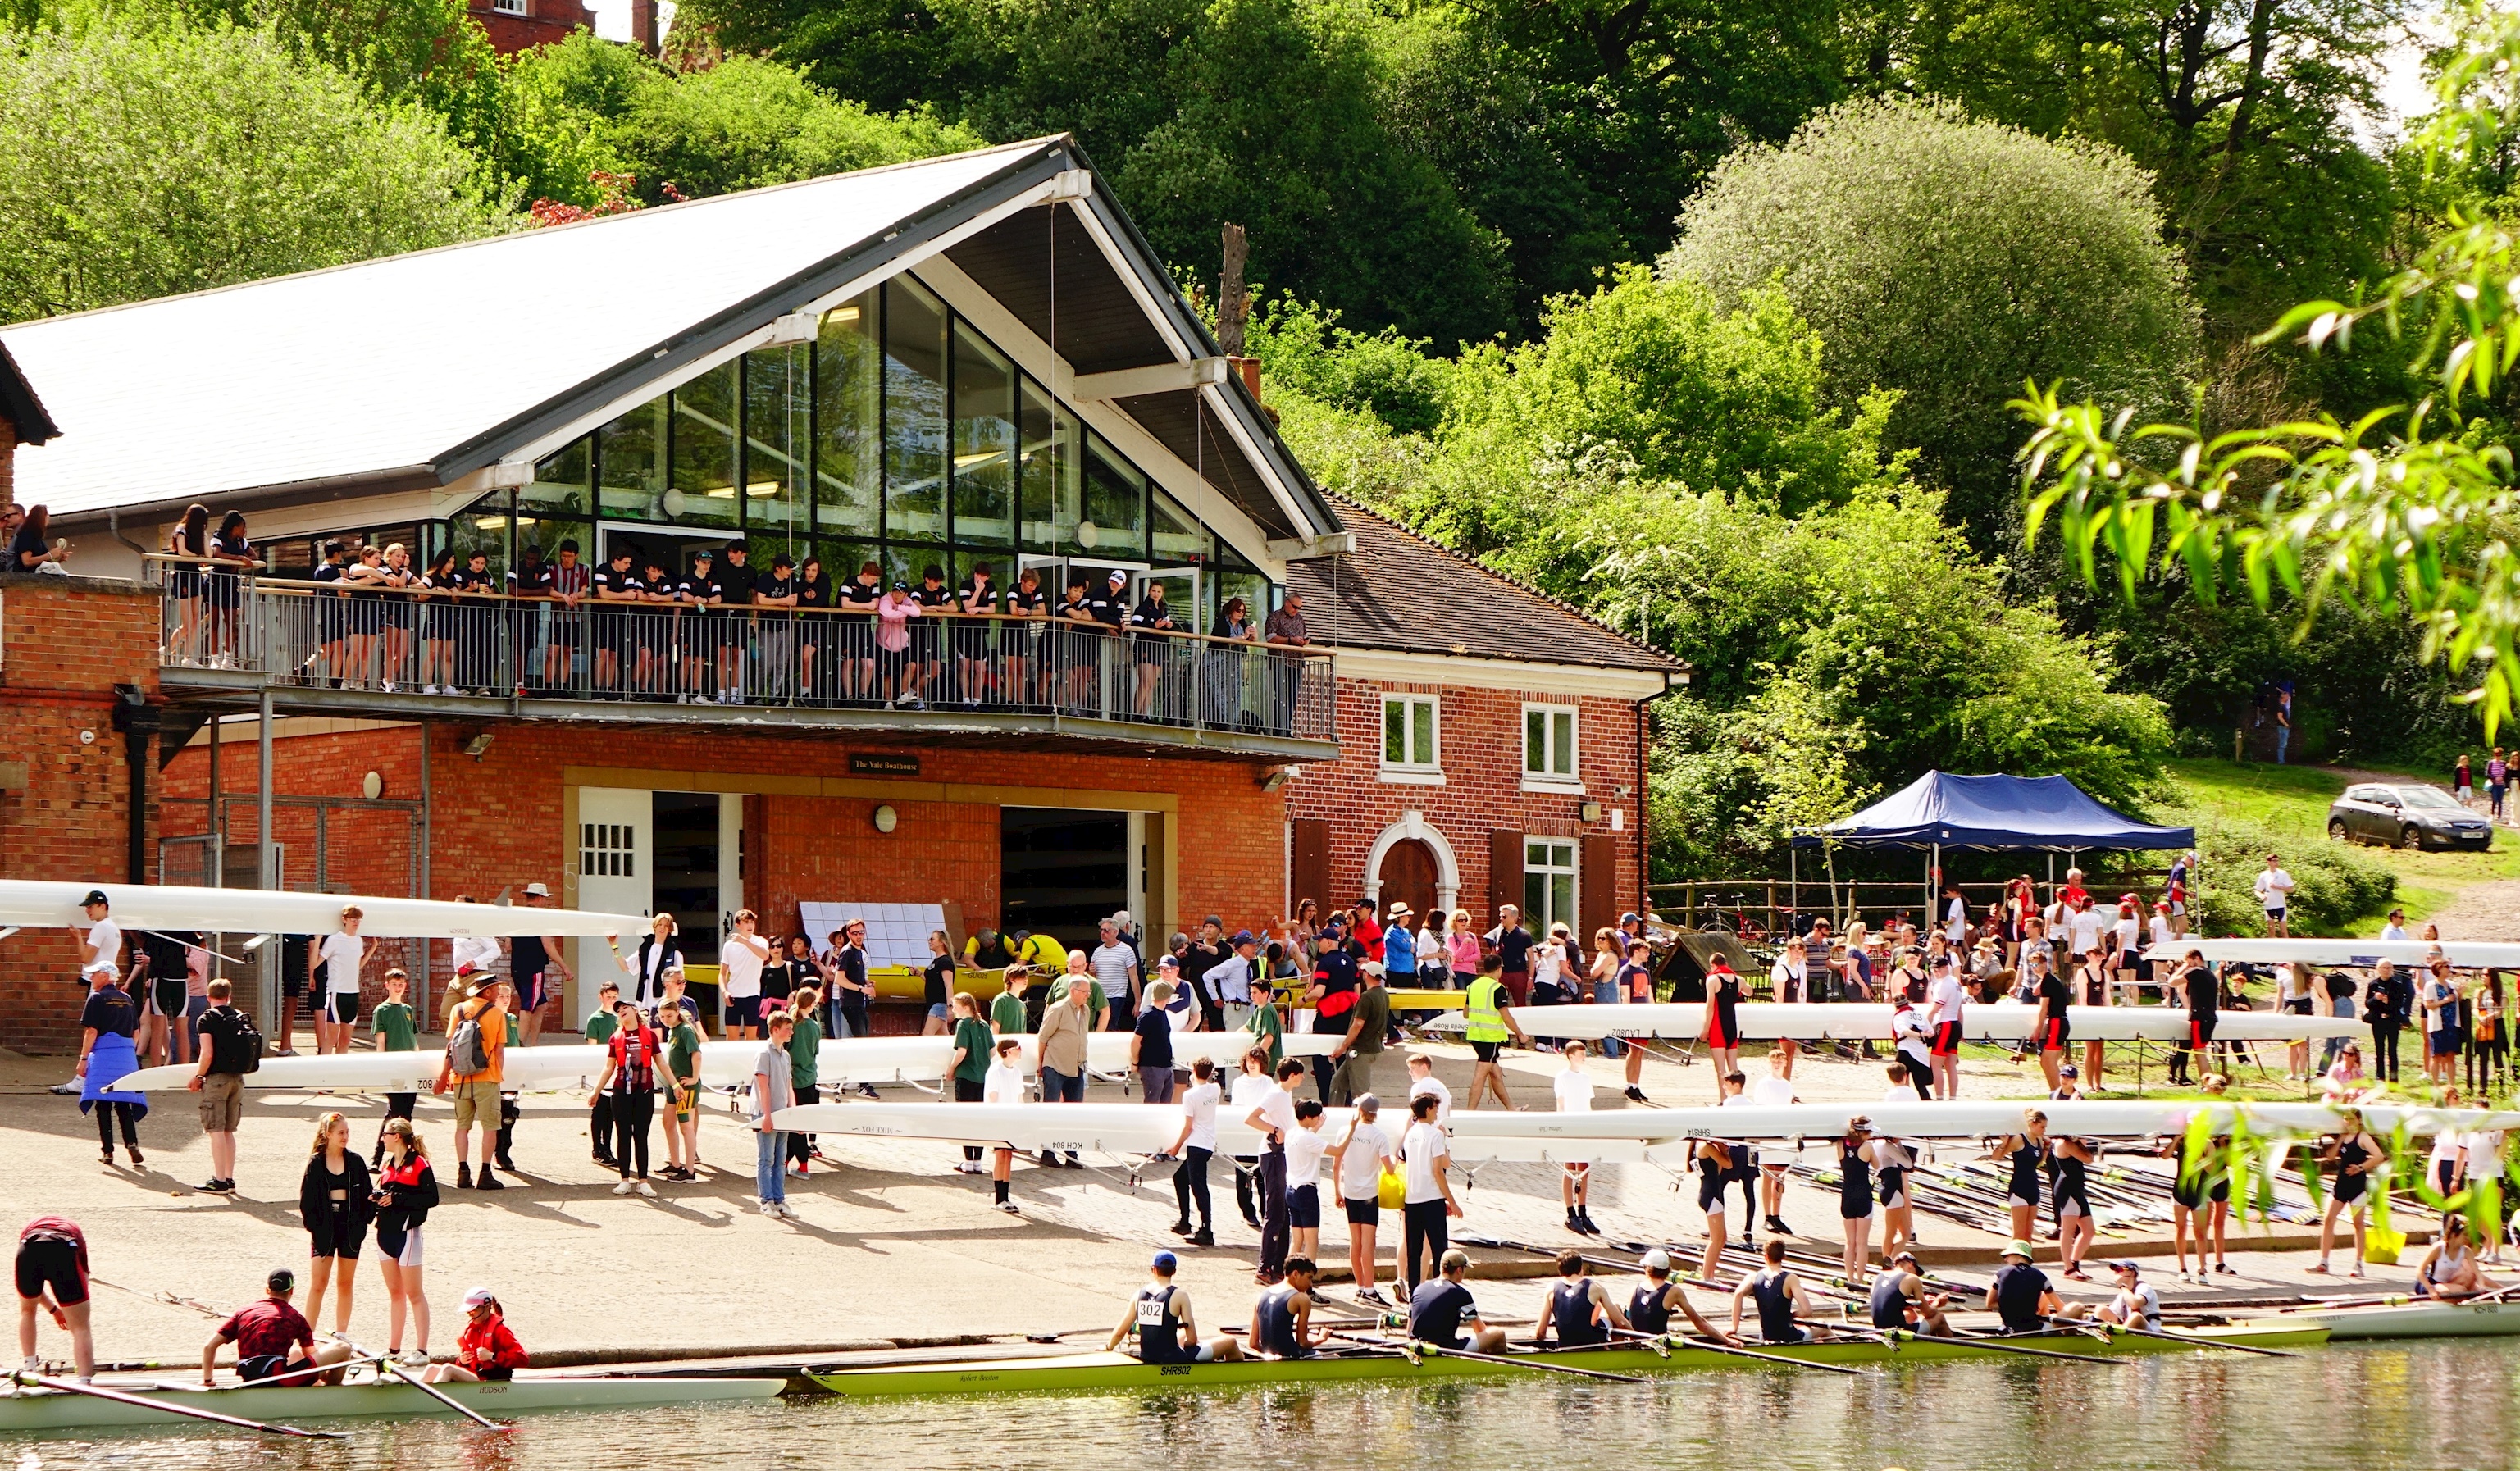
x=1548 y=746
x=1548 y=883
x=1408 y=735
x=508 y=7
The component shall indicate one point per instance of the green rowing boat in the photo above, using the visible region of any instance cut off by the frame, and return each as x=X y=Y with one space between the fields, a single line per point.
x=48 y=1409
x=1121 y=1371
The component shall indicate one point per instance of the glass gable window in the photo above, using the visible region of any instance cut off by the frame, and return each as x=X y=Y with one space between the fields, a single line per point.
x=848 y=421
x=914 y=413
x=900 y=435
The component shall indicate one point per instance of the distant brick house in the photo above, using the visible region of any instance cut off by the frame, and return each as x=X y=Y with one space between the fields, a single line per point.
x=520 y=25
x=1492 y=741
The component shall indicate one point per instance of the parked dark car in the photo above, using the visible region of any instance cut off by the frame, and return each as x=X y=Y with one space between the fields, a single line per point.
x=2409 y=815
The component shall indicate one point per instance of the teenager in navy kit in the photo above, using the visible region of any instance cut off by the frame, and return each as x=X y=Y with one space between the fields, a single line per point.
x=1019 y=639
x=772 y=596
x=700 y=595
x=856 y=600
x=813 y=629
x=927 y=635
x=975 y=600
x=613 y=584
x=735 y=637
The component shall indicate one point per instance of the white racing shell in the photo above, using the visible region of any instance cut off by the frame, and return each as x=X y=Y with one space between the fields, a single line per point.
x=2001 y=1022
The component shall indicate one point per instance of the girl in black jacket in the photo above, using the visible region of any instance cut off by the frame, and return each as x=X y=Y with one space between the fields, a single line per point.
x=333 y=1198
x=405 y=1195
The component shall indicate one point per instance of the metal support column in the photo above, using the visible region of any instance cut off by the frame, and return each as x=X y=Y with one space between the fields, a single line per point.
x=266 y=859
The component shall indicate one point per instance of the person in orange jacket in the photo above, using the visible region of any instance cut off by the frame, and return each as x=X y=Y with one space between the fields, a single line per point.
x=486 y=1350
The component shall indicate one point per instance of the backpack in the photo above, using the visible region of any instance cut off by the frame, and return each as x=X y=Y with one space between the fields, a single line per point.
x=466 y=1052
x=237 y=1049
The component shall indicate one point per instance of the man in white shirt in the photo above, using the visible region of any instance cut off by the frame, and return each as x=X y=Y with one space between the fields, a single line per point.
x=739 y=963
x=1423 y=1083
x=2396 y=929
x=2085 y=927
x=2274 y=895
x=1275 y=1119
x=1363 y=1149
x=1115 y=968
x=1194 y=1146
x=1955 y=916
x=344 y=957
x=1426 y=1161
x=1573 y=1089
x=1305 y=1148
x=1943 y=996
x=1774 y=1090
x=100 y=948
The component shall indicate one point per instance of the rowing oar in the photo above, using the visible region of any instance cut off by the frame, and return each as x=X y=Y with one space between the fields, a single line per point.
x=1982 y=1341
x=73 y=1387
x=386 y=1361
x=1712 y=1346
x=2191 y=1341
x=1509 y=1363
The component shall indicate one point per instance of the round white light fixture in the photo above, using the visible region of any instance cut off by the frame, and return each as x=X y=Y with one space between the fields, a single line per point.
x=885 y=819
x=1088 y=535
x=87 y=737
x=672 y=503
x=372 y=786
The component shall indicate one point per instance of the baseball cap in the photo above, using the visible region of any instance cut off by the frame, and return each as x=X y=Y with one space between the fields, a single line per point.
x=1246 y=937
x=1632 y=917
x=1165 y=1262
x=2016 y=1248
x=2069 y=1071
x=1169 y=963
x=1371 y=968
x=1905 y=1256
x=2123 y=1264
x=478 y=1297
x=538 y=890
x=94 y=896
x=1942 y=962
x=1656 y=1260
x=282 y=1280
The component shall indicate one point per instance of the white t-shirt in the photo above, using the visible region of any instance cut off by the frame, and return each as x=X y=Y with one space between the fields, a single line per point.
x=2128 y=928
x=1419 y=1149
x=740 y=966
x=479 y=951
x=106 y=937
x=2163 y=931
x=2144 y=1301
x=1548 y=958
x=1277 y=1107
x=2392 y=932
x=2275 y=887
x=1198 y=1105
x=1908 y=1025
x=1248 y=1090
x=1433 y=1087
x=2485 y=1154
x=1359 y=1170
x=1955 y=920
x=1005 y=1085
x=2086 y=928
x=1304 y=1150
x=1574 y=1089
x=342 y=956
x=1772 y=1092
x=1111 y=965
x=1945 y=997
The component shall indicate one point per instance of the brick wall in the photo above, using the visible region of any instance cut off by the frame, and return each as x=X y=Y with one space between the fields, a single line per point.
x=550 y=21
x=67 y=642
x=1480 y=746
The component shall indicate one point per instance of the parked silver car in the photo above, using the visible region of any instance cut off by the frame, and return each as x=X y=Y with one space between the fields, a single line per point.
x=2406 y=815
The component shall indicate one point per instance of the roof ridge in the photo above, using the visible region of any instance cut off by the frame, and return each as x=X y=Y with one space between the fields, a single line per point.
x=1517 y=584
x=524 y=230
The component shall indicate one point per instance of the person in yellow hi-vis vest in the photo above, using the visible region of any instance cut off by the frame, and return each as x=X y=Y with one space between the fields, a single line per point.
x=1490 y=1024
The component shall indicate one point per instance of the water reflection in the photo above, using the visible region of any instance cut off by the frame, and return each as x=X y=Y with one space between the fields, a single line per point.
x=2428 y=1405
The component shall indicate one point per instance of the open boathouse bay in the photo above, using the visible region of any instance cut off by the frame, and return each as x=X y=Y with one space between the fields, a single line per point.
x=2441 y=1402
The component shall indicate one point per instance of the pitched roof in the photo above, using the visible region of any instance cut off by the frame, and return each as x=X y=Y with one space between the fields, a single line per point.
x=20 y=405
x=418 y=370
x=1409 y=593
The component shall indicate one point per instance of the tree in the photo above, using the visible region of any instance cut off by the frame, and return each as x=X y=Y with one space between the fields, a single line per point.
x=137 y=163
x=1949 y=260
x=2406 y=510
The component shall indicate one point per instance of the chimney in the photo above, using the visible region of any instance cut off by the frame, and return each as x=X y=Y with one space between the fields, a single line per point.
x=643 y=25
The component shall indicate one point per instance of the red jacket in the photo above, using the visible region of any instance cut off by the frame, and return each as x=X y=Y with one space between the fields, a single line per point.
x=488 y=1345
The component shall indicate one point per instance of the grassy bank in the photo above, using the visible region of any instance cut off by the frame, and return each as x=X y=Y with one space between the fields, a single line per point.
x=2291 y=803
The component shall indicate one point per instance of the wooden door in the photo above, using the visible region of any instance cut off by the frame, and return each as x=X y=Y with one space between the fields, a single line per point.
x=1408 y=876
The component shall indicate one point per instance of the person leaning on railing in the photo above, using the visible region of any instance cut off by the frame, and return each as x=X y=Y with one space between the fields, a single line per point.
x=976 y=598
x=1286 y=632
x=1225 y=664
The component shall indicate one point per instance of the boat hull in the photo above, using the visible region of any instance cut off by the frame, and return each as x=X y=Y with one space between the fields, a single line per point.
x=35 y=1410
x=1106 y=1372
x=2419 y=1320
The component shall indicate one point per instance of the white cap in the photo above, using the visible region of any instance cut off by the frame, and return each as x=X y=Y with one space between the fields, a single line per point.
x=478 y=1297
x=539 y=890
x=1656 y=1260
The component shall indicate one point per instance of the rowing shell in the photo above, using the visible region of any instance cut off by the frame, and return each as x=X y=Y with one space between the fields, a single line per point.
x=2467 y=954
x=1121 y=1371
x=2411 y=1320
x=723 y=1064
x=25 y=902
x=41 y=1409
x=1661 y=1135
x=2003 y=1023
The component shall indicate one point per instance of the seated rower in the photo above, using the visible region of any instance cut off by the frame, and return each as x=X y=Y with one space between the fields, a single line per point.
x=2449 y=1270
x=1578 y=1307
x=2021 y=1294
x=275 y=1345
x=1900 y=1300
x=485 y=1350
x=1160 y=1317
x=1779 y=1294
x=1649 y=1306
x=1441 y=1305
x=2136 y=1304
x=1282 y=1320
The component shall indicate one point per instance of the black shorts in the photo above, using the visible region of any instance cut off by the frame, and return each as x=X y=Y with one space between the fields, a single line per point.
x=529 y=992
x=1710 y=1192
x=1304 y=1208
x=45 y=1263
x=1946 y=1039
x=167 y=996
x=2200 y=1031
x=744 y=1010
x=1485 y=1051
x=327 y=1236
x=342 y=1005
x=1364 y=1212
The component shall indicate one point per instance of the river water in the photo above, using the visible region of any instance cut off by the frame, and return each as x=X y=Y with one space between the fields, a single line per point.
x=2433 y=1403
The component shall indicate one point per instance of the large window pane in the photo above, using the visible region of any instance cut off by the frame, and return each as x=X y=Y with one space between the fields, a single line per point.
x=778 y=422
x=848 y=404
x=913 y=411
x=563 y=482
x=483 y=527
x=702 y=488
x=630 y=455
x=1250 y=586
x=1113 y=523
x=984 y=442
x=1049 y=469
x=1180 y=539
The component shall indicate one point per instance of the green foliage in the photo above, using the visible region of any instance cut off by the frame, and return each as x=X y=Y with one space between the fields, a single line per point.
x=2335 y=887
x=144 y=163
x=1949 y=260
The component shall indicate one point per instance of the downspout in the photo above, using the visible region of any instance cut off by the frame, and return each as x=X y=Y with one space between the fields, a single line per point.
x=1644 y=801
x=113 y=528
x=137 y=719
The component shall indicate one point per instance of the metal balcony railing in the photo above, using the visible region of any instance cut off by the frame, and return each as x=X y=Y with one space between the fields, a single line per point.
x=491 y=646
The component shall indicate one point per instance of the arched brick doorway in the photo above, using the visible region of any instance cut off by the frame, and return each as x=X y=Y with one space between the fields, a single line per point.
x=1409 y=873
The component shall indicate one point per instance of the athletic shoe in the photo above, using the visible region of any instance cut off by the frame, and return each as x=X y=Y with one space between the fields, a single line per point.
x=1586 y=1219
x=643 y=1188
x=488 y=1182
x=622 y=1188
x=1571 y=1224
x=796 y=1170
x=867 y=1090
x=1375 y=1296
x=463 y=1177
x=73 y=1086
x=33 y=1365
x=1011 y=1208
x=769 y=1208
x=108 y=1158
x=1202 y=1237
x=214 y=1186
x=1183 y=1227
x=508 y=1165
x=134 y=1151
x=786 y=1214
x=1635 y=1095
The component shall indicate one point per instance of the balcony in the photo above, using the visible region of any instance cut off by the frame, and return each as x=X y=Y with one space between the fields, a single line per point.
x=459 y=655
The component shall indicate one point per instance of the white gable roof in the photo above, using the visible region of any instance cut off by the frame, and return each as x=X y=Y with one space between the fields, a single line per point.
x=389 y=364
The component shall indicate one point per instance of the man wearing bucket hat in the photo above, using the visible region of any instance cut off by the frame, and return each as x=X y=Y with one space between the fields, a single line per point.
x=2021 y=1294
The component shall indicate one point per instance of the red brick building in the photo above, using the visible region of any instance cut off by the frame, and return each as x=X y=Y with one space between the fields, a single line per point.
x=516 y=25
x=961 y=363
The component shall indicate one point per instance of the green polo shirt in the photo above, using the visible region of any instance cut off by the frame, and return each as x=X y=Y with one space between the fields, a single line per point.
x=1006 y=1014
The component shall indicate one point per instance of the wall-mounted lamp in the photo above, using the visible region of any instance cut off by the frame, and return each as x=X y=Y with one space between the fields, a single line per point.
x=1589 y=812
x=885 y=819
x=478 y=746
